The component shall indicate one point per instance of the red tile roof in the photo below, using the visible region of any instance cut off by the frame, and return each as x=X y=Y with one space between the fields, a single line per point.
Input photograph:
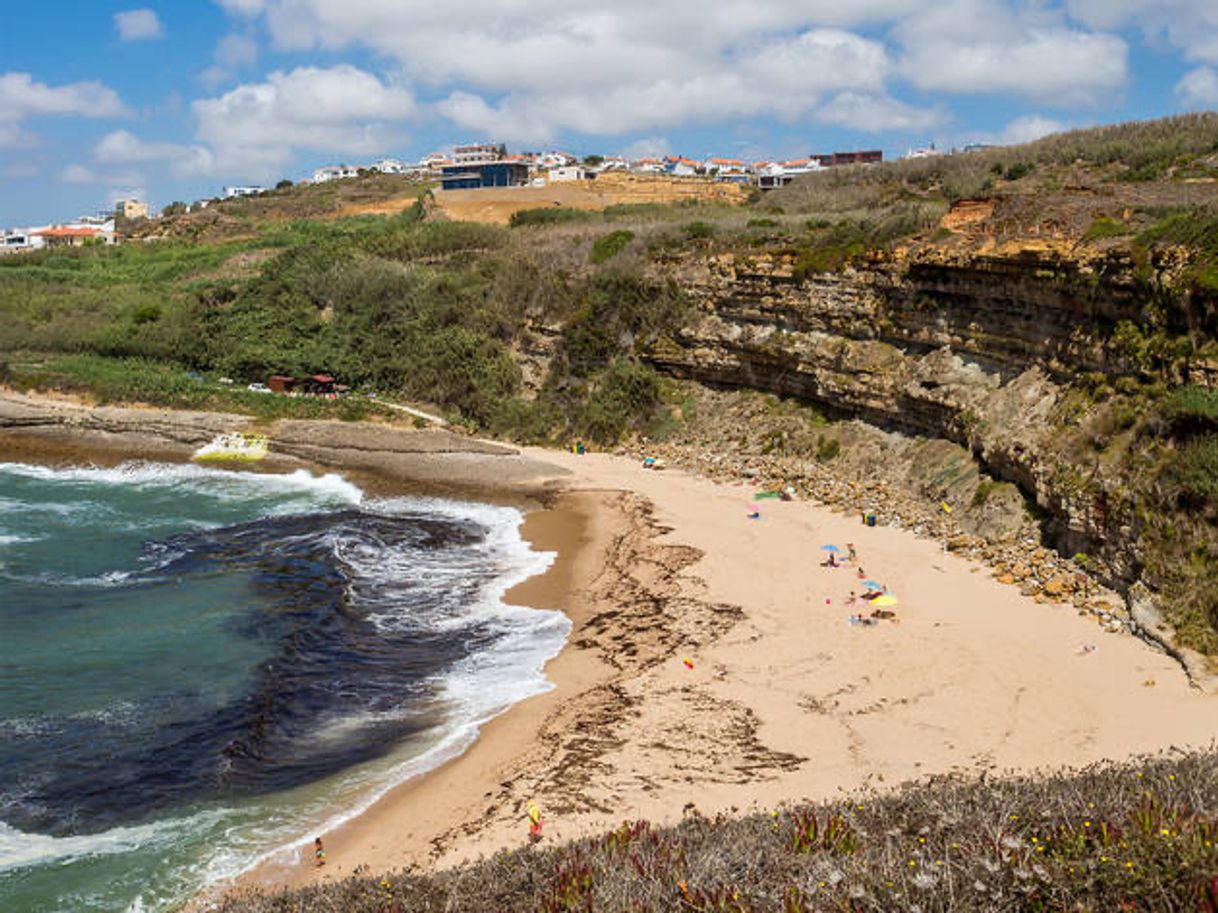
x=63 y=231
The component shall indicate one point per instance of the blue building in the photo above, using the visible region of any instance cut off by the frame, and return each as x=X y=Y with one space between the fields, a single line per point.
x=488 y=174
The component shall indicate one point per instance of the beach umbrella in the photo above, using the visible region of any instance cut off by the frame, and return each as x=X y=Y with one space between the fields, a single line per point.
x=830 y=548
x=886 y=600
x=873 y=585
x=754 y=507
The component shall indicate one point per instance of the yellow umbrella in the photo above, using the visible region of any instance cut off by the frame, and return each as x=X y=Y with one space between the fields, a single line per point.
x=885 y=601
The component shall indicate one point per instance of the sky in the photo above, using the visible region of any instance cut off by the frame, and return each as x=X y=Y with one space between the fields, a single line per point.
x=102 y=101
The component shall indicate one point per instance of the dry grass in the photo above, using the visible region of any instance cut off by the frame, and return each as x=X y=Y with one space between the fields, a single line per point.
x=1137 y=836
x=1182 y=147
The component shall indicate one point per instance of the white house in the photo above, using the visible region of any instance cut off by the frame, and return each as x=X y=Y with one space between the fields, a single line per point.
x=390 y=166
x=681 y=167
x=334 y=173
x=922 y=152
x=20 y=240
x=434 y=161
x=554 y=159
x=567 y=173
x=647 y=165
x=249 y=190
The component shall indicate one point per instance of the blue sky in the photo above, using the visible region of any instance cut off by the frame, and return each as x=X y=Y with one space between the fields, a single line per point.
x=171 y=101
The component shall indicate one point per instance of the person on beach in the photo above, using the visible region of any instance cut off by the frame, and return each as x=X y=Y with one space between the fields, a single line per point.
x=831 y=562
x=319 y=853
x=535 y=822
x=851 y=553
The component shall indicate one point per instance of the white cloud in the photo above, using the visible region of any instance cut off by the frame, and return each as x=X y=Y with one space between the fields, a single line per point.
x=138 y=25
x=970 y=46
x=532 y=71
x=1027 y=128
x=77 y=174
x=877 y=113
x=21 y=97
x=1188 y=24
x=124 y=148
x=256 y=126
x=233 y=52
x=1198 y=88
x=648 y=147
x=253 y=131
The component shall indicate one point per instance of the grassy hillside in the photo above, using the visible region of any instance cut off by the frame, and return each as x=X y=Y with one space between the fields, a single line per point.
x=540 y=331
x=1138 y=837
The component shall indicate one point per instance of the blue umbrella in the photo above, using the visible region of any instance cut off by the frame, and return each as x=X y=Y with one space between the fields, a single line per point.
x=830 y=548
x=873 y=585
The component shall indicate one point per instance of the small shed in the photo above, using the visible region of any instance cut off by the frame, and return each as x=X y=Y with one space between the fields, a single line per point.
x=319 y=385
x=281 y=383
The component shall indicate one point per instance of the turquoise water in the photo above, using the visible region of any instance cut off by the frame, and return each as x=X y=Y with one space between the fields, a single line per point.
x=201 y=666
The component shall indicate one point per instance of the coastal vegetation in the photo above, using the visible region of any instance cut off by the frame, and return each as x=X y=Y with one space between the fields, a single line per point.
x=1135 y=836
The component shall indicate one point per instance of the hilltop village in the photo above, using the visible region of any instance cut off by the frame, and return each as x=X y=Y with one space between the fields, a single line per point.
x=463 y=167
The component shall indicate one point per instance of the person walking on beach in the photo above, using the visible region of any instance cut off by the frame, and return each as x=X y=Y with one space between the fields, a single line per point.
x=319 y=853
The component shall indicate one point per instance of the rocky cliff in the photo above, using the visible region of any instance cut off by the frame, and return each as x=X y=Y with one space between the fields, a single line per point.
x=986 y=350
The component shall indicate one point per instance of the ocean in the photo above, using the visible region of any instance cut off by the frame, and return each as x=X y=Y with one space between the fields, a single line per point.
x=199 y=667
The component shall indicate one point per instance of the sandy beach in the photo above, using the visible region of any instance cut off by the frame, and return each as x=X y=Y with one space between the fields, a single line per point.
x=785 y=699
x=712 y=665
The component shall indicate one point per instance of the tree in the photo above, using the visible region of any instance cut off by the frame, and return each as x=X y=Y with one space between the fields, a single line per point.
x=593 y=160
x=285 y=184
x=176 y=208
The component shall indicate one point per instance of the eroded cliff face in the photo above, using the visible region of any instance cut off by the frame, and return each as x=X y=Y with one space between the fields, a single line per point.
x=977 y=349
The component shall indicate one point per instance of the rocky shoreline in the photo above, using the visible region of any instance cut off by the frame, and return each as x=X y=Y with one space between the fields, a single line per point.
x=431 y=459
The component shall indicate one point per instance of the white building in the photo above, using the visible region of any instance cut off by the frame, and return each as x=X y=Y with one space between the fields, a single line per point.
x=390 y=166
x=434 y=161
x=567 y=173
x=248 y=190
x=555 y=159
x=923 y=152
x=21 y=240
x=334 y=173
x=476 y=154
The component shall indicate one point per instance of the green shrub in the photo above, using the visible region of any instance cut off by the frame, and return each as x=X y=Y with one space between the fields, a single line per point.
x=827 y=448
x=1104 y=227
x=699 y=230
x=623 y=397
x=610 y=245
x=1017 y=170
x=558 y=215
x=1194 y=472
x=1190 y=410
x=762 y=223
x=618 y=312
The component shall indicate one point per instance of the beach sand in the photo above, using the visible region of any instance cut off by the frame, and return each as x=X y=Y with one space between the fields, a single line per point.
x=785 y=699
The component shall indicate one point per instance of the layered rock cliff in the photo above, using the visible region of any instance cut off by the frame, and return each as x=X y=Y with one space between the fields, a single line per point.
x=986 y=350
